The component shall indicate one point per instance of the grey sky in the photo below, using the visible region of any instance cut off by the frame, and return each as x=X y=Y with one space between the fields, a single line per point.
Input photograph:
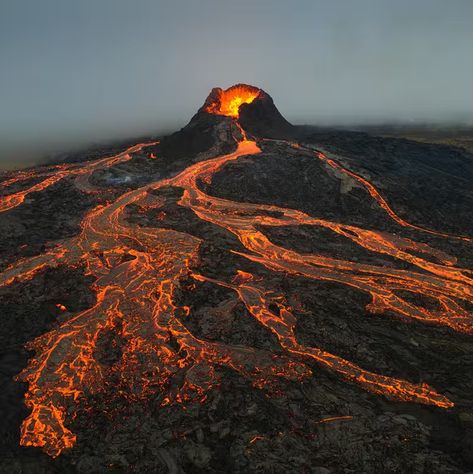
x=75 y=71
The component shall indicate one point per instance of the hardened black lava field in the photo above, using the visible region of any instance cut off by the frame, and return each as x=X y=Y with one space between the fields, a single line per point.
x=243 y=295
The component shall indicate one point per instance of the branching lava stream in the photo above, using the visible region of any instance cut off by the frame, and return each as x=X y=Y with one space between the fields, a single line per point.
x=137 y=270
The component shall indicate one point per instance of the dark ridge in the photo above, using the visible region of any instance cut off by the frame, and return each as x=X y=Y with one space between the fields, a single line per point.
x=262 y=119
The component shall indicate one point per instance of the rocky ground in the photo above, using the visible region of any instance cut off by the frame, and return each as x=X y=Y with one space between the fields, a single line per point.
x=322 y=425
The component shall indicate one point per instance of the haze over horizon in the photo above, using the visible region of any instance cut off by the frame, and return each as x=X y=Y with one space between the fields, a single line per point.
x=73 y=73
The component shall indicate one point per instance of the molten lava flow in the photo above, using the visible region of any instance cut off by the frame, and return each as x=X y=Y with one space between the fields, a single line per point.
x=58 y=172
x=381 y=201
x=137 y=273
x=228 y=103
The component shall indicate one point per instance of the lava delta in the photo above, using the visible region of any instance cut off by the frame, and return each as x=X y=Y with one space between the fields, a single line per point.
x=243 y=295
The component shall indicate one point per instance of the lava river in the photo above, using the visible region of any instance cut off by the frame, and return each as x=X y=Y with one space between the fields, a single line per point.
x=137 y=271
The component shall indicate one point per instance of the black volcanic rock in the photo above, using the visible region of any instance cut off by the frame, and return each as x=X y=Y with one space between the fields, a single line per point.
x=441 y=196
x=198 y=136
x=262 y=119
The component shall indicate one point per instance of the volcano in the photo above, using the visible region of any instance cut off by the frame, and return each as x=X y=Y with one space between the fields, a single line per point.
x=253 y=107
x=244 y=295
x=225 y=114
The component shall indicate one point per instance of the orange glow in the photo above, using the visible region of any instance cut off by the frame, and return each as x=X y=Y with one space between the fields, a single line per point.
x=136 y=296
x=335 y=418
x=230 y=100
x=255 y=438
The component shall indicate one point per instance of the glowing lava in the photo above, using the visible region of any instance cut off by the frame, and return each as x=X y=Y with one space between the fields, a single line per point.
x=137 y=271
x=56 y=173
x=374 y=193
x=228 y=102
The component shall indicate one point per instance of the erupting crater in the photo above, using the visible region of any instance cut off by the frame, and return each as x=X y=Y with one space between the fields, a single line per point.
x=228 y=102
